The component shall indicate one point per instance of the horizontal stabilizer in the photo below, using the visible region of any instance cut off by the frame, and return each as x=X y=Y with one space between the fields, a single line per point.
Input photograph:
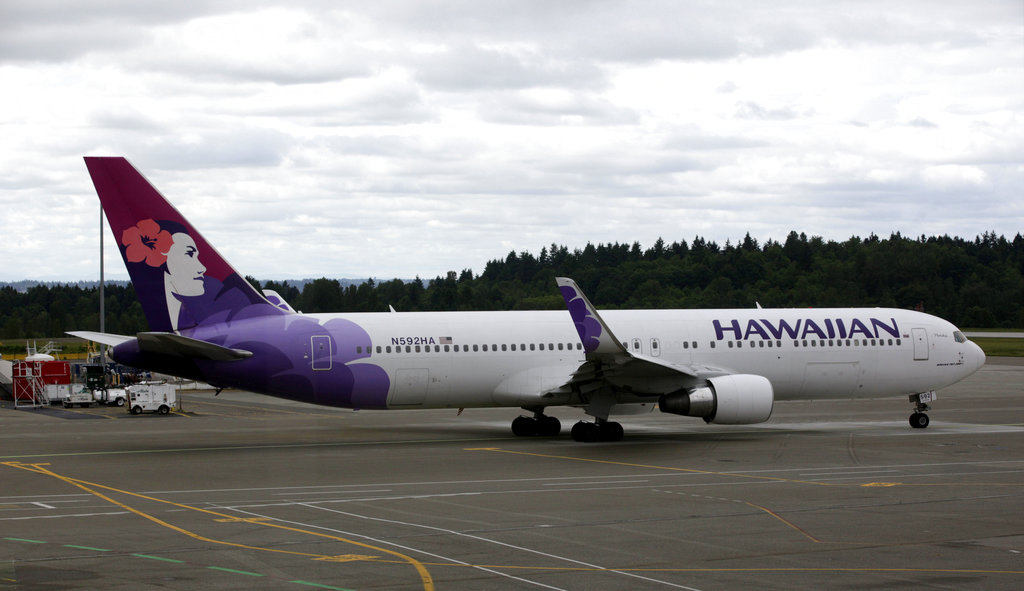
x=175 y=345
x=103 y=338
x=275 y=298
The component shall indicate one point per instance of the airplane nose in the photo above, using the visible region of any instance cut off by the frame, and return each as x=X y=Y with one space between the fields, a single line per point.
x=977 y=356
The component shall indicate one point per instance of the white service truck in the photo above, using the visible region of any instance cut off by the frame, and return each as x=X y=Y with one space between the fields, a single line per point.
x=151 y=397
x=111 y=396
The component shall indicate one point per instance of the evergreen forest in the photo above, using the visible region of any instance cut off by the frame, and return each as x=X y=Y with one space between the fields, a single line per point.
x=973 y=283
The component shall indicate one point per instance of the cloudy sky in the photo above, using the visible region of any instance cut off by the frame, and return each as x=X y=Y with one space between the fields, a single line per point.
x=403 y=138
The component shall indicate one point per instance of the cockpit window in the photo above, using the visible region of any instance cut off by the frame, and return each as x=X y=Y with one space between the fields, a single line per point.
x=959 y=337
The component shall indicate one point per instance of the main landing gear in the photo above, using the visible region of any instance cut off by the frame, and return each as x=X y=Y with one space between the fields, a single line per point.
x=545 y=426
x=600 y=430
x=919 y=420
x=539 y=424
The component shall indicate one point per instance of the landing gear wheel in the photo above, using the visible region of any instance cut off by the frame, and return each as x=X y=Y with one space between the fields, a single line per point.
x=548 y=426
x=524 y=426
x=919 y=420
x=610 y=431
x=584 y=431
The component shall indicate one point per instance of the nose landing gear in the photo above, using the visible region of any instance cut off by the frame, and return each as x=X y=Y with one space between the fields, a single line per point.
x=919 y=420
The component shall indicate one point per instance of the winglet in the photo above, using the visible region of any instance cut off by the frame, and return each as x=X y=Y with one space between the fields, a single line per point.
x=594 y=333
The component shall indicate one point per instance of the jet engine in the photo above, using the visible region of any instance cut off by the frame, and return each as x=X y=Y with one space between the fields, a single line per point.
x=726 y=400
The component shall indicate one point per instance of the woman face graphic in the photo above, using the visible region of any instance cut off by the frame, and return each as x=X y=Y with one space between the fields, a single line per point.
x=184 y=270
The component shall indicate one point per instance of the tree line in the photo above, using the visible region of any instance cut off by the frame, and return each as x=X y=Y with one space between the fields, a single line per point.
x=973 y=283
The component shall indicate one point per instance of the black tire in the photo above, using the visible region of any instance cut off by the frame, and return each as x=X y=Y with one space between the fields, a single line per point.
x=610 y=431
x=919 y=420
x=549 y=426
x=119 y=401
x=584 y=431
x=524 y=426
x=164 y=409
x=136 y=410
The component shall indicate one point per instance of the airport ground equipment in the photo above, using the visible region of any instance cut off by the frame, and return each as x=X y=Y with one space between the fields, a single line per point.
x=151 y=397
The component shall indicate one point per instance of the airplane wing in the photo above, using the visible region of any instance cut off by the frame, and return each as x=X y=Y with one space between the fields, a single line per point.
x=610 y=368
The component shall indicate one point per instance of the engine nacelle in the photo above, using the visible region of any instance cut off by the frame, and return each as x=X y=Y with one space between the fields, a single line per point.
x=727 y=400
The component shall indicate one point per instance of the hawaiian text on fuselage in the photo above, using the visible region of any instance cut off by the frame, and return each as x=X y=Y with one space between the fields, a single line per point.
x=828 y=328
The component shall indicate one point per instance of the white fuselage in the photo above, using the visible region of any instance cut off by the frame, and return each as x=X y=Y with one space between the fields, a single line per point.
x=474 y=359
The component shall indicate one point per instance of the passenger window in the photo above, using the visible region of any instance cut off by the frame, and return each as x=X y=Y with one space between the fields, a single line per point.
x=505 y=347
x=477 y=348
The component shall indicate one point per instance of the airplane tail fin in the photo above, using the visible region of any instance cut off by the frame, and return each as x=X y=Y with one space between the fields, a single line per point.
x=181 y=281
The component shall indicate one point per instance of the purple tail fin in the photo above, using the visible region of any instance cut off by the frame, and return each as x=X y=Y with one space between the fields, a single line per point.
x=180 y=279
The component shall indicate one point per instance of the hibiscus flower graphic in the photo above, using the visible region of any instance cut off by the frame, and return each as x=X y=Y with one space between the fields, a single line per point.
x=146 y=241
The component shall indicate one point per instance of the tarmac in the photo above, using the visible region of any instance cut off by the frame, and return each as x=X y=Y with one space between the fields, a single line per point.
x=241 y=491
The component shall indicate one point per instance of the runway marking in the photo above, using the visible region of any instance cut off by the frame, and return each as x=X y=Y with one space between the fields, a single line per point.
x=425 y=577
x=160 y=558
x=738 y=475
x=86 y=548
x=632 y=569
x=499 y=543
x=320 y=586
x=786 y=521
x=453 y=562
x=237 y=572
x=650 y=466
x=114 y=452
x=758 y=476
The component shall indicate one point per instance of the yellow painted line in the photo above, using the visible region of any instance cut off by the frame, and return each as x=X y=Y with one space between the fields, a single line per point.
x=787 y=522
x=425 y=577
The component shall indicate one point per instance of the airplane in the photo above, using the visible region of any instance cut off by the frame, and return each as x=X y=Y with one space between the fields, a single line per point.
x=725 y=366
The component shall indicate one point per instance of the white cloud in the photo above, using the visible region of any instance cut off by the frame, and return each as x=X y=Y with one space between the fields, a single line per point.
x=402 y=138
